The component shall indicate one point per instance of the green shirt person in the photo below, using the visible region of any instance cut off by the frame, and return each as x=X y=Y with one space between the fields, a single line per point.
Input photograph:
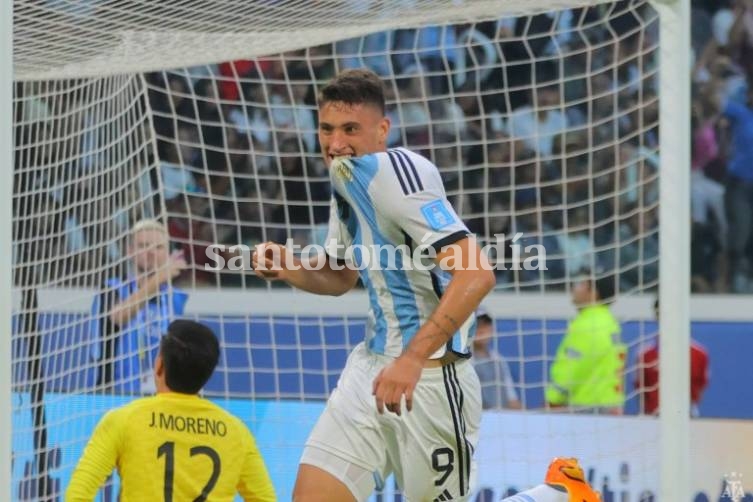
x=587 y=371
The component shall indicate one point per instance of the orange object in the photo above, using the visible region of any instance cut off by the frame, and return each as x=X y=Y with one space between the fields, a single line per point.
x=568 y=474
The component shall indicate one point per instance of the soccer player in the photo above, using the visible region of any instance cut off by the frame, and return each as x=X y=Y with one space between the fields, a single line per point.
x=564 y=482
x=414 y=360
x=175 y=445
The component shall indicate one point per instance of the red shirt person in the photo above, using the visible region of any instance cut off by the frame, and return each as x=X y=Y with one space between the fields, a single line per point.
x=647 y=381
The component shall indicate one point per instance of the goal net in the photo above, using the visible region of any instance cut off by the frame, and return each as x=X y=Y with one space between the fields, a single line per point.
x=542 y=118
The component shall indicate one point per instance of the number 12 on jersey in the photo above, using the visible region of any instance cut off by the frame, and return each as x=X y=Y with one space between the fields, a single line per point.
x=167 y=449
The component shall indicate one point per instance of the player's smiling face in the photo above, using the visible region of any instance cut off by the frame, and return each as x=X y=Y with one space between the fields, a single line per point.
x=347 y=130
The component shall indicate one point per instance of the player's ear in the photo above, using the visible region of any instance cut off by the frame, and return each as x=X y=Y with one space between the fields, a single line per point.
x=384 y=130
x=159 y=366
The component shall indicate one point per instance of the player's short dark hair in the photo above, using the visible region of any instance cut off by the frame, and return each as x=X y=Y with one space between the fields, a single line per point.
x=354 y=87
x=190 y=352
x=605 y=288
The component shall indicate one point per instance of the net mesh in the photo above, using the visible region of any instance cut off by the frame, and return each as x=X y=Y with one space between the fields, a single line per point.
x=544 y=127
x=66 y=39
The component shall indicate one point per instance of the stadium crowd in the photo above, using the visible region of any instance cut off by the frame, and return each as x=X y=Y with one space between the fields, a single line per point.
x=544 y=125
x=578 y=177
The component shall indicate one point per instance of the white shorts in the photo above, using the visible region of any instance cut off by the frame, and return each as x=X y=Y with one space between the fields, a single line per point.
x=429 y=449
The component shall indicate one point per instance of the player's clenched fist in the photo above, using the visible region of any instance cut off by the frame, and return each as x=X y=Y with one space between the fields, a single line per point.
x=270 y=261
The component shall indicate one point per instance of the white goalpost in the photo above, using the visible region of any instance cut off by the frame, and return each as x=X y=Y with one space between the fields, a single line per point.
x=675 y=257
x=6 y=244
x=558 y=127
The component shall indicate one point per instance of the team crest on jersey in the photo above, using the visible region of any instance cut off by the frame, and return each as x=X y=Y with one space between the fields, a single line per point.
x=343 y=168
x=437 y=215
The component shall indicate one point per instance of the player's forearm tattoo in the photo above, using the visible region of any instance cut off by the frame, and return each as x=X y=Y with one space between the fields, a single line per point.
x=452 y=320
x=441 y=328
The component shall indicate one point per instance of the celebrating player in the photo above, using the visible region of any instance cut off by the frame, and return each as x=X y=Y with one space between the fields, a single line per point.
x=175 y=445
x=413 y=361
x=564 y=482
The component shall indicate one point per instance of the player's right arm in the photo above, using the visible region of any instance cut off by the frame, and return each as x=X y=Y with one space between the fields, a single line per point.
x=97 y=462
x=272 y=262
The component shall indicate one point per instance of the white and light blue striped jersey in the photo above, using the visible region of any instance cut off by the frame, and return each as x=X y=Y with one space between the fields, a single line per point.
x=385 y=207
x=540 y=493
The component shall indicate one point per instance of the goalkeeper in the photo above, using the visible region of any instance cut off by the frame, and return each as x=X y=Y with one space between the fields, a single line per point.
x=175 y=445
x=564 y=482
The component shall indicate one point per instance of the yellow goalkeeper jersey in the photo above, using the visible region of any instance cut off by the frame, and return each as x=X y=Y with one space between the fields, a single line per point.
x=172 y=447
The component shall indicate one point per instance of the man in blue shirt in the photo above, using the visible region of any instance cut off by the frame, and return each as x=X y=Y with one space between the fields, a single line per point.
x=739 y=189
x=131 y=314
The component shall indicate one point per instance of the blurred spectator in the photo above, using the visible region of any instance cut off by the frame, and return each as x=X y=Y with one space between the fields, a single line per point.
x=739 y=190
x=638 y=250
x=587 y=371
x=236 y=75
x=575 y=242
x=537 y=127
x=647 y=381
x=297 y=211
x=132 y=312
x=412 y=110
x=290 y=114
x=371 y=51
x=189 y=225
x=709 y=231
x=433 y=48
x=497 y=386
x=741 y=36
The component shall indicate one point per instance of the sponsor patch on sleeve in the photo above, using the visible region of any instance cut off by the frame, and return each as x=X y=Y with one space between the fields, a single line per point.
x=437 y=215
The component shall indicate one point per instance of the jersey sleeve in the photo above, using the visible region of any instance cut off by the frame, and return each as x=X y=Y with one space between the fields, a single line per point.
x=255 y=484
x=98 y=460
x=411 y=194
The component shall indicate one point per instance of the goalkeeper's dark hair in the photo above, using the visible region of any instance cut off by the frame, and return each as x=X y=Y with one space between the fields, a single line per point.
x=354 y=87
x=190 y=352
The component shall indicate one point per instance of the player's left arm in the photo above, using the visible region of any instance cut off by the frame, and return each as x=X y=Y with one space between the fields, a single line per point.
x=97 y=462
x=254 y=485
x=411 y=195
x=472 y=279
